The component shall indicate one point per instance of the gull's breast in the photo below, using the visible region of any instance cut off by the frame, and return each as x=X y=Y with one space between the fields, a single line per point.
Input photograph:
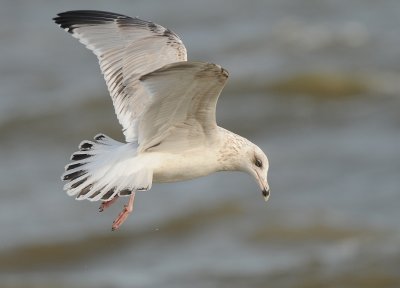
x=173 y=167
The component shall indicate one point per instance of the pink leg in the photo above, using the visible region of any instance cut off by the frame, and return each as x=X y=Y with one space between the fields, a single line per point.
x=105 y=204
x=124 y=213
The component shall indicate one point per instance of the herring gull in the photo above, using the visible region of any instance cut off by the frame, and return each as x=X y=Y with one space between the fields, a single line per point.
x=166 y=106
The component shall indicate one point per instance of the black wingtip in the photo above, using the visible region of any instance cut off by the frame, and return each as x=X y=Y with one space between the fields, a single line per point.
x=70 y=19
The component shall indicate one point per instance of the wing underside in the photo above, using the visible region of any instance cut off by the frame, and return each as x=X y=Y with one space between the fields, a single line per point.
x=126 y=48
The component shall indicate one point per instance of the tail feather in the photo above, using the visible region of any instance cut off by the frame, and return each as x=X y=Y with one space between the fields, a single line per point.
x=104 y=168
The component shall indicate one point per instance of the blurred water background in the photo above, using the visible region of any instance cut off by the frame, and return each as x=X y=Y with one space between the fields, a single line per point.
x=315 y=83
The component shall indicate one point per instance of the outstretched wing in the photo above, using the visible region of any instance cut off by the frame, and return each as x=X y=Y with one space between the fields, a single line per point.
x=127 y=48
x=181 y=112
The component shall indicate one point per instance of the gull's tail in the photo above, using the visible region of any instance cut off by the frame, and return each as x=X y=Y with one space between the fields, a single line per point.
x=104 y=168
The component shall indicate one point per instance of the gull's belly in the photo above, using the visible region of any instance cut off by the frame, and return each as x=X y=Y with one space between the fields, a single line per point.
x=181 y=167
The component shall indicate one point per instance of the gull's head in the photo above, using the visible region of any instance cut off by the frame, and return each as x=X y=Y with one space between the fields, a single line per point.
x=256 y=164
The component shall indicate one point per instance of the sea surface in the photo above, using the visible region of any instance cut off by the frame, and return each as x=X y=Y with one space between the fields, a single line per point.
x=316 y=84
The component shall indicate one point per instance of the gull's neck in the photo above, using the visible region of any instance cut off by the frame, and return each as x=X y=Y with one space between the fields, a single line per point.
x=232 y=150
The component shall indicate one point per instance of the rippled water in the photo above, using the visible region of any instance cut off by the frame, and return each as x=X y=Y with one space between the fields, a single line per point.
x=314 y=83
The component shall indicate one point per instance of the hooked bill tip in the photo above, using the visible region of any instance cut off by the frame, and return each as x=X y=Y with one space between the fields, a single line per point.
x=265 y=193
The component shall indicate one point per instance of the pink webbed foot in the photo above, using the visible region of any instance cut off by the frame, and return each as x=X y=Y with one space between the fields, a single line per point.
x=124 y=213
x=105 y=204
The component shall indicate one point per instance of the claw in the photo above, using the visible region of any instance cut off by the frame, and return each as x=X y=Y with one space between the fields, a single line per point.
x=105 y=204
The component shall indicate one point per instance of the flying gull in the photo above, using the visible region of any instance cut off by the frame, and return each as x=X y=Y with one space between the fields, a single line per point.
x=166 y=106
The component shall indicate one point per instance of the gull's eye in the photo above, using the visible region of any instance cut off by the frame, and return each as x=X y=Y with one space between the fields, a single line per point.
x=258 y=163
